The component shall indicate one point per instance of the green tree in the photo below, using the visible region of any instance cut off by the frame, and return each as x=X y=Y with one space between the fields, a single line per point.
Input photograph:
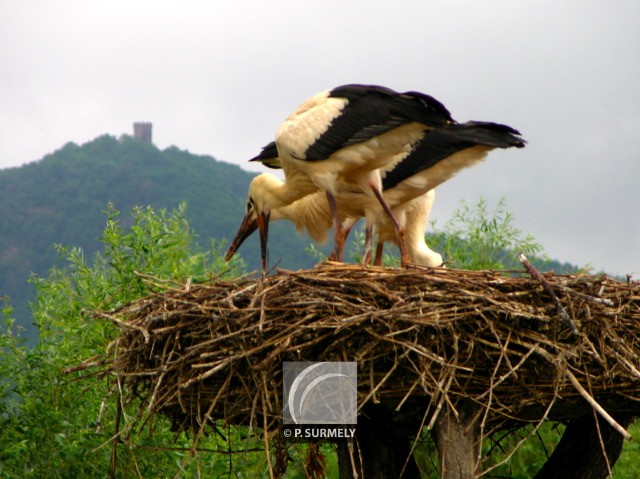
x=55 y=425
x=478 y=238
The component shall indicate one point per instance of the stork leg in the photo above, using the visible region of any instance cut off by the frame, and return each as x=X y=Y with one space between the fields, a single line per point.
x=379 y=250
x=399 y=230
x=368 y=239
x=339 y=233
x=335 y=254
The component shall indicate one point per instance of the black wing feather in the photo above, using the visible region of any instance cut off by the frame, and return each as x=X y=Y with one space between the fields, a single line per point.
x=421 y=108
x=269 y=156
x=440 y=143
x=373 y=110
x=363 y=118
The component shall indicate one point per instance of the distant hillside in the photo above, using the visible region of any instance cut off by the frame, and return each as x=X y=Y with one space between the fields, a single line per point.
x=61 y=198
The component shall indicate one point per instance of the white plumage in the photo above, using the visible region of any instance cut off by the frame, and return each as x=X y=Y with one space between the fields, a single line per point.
x=311 y=214
x=393 y=147
x=342 y=136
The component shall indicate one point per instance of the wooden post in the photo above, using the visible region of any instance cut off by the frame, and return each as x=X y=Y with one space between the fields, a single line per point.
x=457 y=439
x=378 y=452
x=580 y=454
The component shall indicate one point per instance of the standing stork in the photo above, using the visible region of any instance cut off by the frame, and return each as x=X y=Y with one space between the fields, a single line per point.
x=439 y=155
x=413 y=215
x=342 y=135
x=429 y=161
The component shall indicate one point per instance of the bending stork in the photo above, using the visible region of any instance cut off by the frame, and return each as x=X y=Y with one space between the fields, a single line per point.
x=312 y=214
x=436 y=157
x=344 y=135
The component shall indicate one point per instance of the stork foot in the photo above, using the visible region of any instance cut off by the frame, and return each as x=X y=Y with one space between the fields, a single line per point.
x=405 y=259
x=335 y=255
x=379 y=250
x=368 y=239
x=339 y=234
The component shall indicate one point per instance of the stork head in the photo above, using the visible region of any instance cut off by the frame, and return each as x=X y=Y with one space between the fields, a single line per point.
x=256 y=215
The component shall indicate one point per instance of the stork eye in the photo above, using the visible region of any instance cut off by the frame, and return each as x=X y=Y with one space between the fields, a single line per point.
x=250 y=206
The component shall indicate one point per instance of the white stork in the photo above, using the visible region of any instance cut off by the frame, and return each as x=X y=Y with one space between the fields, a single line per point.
x=342 y=135
x=434 y=158
x=312 y=214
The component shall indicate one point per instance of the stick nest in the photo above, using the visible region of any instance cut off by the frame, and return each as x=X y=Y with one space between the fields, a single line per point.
x=422 y=338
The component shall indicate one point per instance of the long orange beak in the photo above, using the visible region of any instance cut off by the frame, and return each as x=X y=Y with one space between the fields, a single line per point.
x=247 y=227
x=263 y=226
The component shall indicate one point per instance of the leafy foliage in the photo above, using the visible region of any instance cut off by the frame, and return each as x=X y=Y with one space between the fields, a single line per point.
x=50 y=425
x=476 y=238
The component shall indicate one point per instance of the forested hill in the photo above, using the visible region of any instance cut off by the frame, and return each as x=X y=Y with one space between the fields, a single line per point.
x=61 y=200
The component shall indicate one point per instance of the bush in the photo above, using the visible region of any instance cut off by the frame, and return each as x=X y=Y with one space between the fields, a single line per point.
x=53 y=425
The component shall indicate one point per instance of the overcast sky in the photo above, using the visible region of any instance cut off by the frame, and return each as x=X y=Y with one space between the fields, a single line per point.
x=217 y=78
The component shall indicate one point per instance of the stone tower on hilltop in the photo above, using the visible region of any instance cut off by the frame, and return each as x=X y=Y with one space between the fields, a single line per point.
x=142 y=131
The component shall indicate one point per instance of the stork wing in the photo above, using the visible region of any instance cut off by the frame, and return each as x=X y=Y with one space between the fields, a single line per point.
x=269 y=156
x=440 y=143
x=372 y=110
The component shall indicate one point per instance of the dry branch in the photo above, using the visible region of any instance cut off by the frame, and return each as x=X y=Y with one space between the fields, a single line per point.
x=549 y=289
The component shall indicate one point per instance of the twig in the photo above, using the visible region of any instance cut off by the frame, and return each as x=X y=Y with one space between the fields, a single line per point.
x=114 y=447
x=126 y=325
x=595 y=299
x=86 y=364
x=199 y=449
x=549 y=289
x=607 y=417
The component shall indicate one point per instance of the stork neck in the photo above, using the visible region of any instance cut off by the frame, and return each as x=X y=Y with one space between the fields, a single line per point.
x=294 y=188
